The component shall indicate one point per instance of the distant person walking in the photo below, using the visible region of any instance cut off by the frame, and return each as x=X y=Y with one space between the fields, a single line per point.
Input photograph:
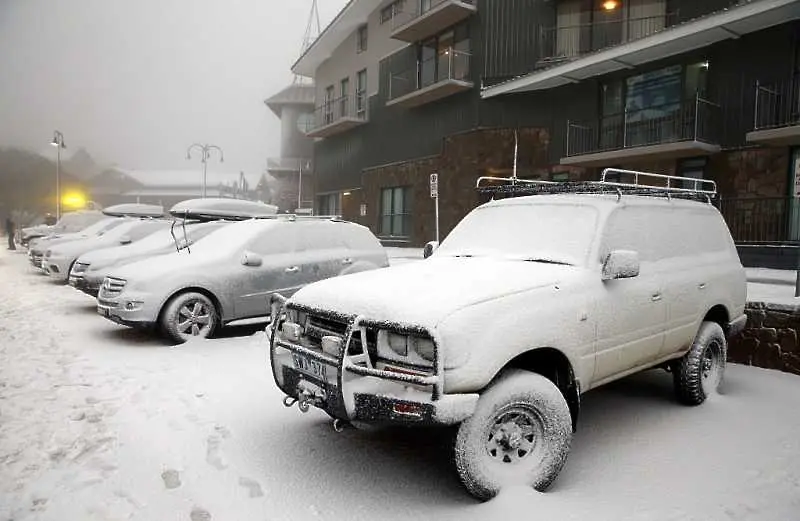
x=10 y=233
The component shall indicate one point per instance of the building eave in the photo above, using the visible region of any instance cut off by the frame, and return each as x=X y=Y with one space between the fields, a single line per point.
x=686 y=37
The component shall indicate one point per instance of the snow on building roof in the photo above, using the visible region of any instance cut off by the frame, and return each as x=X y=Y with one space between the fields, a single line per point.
x=187 y=178
x=296 y=94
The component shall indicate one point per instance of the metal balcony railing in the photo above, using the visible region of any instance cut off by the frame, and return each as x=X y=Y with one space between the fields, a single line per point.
x=285 y=164
x=777 y=104
x=762 y=220
x=694 y=119
x=449 y=65
x=353 y=106
x=571 y=41
x=413 y=9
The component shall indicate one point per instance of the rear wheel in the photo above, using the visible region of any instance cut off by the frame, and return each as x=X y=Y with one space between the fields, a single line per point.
x=520 y=434
x=699 y=373
x=189 y=315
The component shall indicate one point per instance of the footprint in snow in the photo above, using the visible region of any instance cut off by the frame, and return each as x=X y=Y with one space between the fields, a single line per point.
x=199 y=514
x=172 y=479
x=252 y=486
x=213 y=456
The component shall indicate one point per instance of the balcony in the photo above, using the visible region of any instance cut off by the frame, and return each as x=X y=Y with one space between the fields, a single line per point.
x=431 y=80
x=685 y=129
x=762 y=220
x=283 y=165
x=777 y=113
x=339 y=115
x=421 y=19
x=567 y=42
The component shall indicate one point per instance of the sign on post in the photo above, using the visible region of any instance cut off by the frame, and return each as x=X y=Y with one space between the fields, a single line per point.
x=434 y=186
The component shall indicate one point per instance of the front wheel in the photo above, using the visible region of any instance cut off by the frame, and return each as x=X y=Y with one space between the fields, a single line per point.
x=520 y=434
x=189 y=315
x=699 y=373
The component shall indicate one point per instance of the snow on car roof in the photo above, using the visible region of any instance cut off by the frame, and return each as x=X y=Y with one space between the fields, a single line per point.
x=134 y=210
x=220 y=207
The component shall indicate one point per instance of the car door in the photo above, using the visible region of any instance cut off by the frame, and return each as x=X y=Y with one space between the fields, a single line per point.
x=278 y=271
x=321 y=253
x=631 y=313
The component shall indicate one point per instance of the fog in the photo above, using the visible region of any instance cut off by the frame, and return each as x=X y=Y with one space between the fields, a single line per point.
x=137 y=82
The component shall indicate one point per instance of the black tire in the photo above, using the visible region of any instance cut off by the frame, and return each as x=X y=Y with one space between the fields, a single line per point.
x=201 y=317
x=520 y=434
x=698 y=374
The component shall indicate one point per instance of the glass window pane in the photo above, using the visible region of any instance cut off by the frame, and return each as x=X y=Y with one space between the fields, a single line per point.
x=386 y=204
x=386 y=223
x=397 y=207
x=397 y=225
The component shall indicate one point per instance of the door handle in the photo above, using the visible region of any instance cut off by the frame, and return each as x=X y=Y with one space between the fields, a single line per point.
x=656 y=297
x=292 y=269
x=347 y=261
x=702 y=285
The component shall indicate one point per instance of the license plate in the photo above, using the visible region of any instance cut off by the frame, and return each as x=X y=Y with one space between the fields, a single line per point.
x=104 y=311
x=310 y=367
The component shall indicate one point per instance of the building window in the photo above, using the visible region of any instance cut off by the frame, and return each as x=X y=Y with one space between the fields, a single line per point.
x=391 y=10
x=361 y=39
x=396 y=212
x=694 y=168
x=361 y=93
x=344 y=96
x=305 y=122
x=444 y=56
x=329 y=204
x=328 y=106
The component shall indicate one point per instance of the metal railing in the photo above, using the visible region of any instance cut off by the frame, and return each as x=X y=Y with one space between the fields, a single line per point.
x=413 y=9
x=571 y=41
x=762 y=220
x=695 y=119
x=777 y=104
x=347 y=106
x=286 y=164
x=449 y=65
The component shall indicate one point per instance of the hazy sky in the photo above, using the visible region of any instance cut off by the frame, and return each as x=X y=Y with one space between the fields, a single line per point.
x=138 y=81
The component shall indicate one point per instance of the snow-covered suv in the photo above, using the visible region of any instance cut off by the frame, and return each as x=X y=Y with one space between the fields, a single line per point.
x=528 y=303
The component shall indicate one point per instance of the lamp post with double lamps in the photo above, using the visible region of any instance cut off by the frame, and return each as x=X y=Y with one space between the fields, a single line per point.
x=205 y=153
x=58 y=142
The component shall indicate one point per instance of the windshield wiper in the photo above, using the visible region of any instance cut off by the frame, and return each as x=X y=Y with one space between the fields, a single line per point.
x=547 y=261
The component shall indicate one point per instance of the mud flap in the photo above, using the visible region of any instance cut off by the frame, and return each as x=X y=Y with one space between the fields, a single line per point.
x=574 y=403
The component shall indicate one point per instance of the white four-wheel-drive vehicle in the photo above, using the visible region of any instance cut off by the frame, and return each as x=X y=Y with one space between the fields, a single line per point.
x=231 y=273
x=528 y=303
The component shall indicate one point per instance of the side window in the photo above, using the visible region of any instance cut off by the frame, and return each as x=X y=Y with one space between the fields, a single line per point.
x=313 y=236
x=274 y=240
x=358 y=238
x=629 y=228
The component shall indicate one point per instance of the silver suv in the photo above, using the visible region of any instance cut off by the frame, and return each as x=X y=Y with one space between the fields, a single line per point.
x=231 y=273
x=528 y=303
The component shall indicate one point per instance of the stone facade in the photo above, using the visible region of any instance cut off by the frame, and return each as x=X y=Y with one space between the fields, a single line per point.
x=751 y=172
x=770 y=339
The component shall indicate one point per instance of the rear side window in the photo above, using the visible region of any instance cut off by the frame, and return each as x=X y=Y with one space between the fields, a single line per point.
x=360 y=238
x=663 y=232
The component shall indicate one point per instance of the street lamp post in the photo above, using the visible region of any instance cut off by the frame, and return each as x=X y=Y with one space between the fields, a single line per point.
x=205 y=153
x=58 y=142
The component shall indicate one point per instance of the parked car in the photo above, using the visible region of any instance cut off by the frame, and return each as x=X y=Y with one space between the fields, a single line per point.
x=231 y=273
x=70 y=222
x=91 y=268
x=59 y=259
x=527 y=304
x=38 y=247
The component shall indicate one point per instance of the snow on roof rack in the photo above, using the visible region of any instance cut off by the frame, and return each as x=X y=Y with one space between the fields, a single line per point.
x=670 y=186
x=134 y=210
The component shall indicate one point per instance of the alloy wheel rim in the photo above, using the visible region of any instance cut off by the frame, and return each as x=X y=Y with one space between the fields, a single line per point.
x=194 y=319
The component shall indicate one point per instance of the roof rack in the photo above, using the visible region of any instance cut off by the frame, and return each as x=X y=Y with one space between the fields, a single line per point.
x=667 y=186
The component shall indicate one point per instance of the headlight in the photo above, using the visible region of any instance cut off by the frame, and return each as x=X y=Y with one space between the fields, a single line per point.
x=48 y=253
x=405 y=348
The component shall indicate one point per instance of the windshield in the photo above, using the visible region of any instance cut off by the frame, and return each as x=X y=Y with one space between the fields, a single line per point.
x=556 y=233
x=230 y=238
x=102 y=226
x=163 y=238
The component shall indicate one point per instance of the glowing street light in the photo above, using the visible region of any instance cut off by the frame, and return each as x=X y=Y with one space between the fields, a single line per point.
x=58 y=142
x=610 y=5
x=205 y=153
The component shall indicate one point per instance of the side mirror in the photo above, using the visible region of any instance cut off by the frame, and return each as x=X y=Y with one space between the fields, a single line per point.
x=621 y=264
x=429 y=249
x=125 y=240
x=251 y=259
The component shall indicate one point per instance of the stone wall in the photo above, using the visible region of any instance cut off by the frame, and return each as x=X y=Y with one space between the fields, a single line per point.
x=770 y=339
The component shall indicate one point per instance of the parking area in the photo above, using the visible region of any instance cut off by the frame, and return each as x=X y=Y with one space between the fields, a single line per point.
x=98 y=421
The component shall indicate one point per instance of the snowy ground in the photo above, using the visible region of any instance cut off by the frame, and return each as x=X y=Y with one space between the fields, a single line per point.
x=98 y=422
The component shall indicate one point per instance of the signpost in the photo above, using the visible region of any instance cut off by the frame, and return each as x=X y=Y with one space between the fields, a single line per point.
x=435 y=196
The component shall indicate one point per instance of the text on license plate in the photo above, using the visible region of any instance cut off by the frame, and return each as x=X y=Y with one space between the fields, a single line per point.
x=309 y=366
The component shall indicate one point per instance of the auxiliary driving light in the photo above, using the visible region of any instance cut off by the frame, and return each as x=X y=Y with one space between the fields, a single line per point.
x=331 y=345
x=291 y=331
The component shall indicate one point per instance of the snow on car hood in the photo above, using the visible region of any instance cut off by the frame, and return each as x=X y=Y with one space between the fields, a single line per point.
x=423 y=293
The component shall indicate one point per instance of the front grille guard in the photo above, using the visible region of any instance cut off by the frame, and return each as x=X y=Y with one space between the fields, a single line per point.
x=342 y=362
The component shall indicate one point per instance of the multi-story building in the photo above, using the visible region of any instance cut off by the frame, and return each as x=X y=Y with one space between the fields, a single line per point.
x=292 y=170
x=406 y=88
